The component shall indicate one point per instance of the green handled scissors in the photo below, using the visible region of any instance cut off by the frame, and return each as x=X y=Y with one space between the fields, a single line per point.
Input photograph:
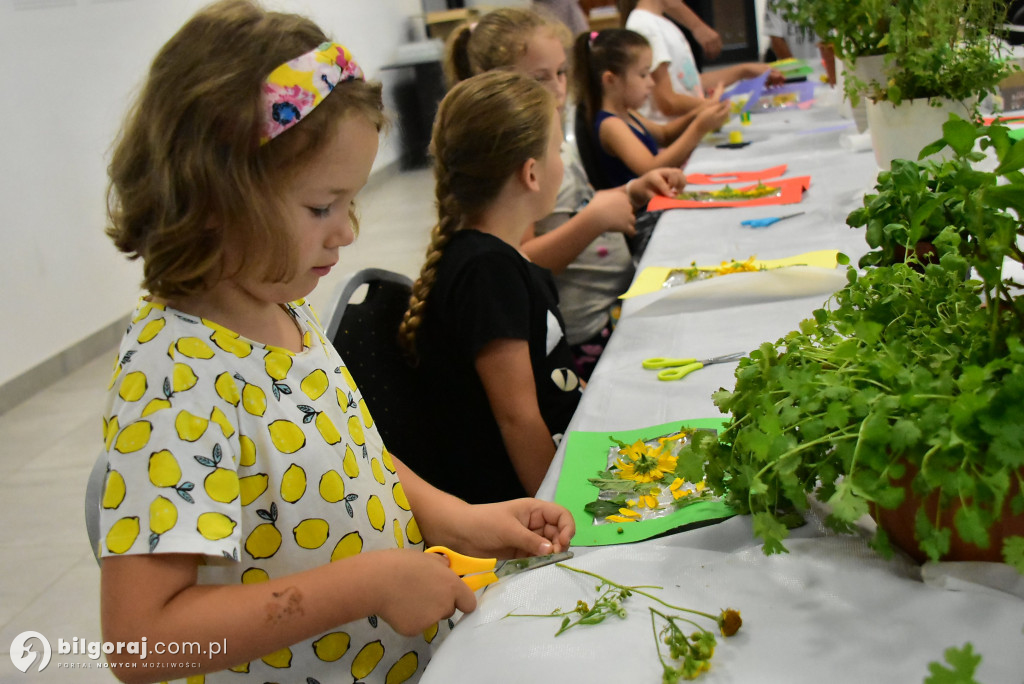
x=675 y=369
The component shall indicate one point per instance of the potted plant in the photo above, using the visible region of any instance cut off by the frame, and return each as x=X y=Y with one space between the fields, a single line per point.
x=906 y=391
x=932 y=54
x=942 y=56
x=855 y=31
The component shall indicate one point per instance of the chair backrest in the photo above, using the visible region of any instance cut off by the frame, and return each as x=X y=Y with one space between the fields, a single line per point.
x=93 y=496
x=587 y=146
x=365 y=334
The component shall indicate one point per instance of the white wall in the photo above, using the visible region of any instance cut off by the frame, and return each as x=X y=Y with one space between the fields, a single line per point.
x=69 y=67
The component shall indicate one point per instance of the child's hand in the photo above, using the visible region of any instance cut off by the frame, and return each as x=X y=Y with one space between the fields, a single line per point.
x=776 y=77
x=611 y=210
x=517 y=528
x=713 y=116
x=667 y=181
x=418 y=590
x=716 y=93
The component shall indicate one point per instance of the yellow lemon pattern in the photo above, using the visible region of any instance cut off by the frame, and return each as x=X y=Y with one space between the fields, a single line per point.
x=265 y=460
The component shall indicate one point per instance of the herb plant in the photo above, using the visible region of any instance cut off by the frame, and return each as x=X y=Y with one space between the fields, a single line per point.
x=912 y=372
x=688 y=655
x=932 y=48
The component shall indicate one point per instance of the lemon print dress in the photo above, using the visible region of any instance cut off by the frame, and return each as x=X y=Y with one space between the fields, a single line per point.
x=266 y=462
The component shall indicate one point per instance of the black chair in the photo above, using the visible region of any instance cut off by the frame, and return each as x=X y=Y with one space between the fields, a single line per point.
x=365 y=334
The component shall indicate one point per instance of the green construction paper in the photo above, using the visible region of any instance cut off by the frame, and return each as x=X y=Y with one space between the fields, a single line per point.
x=586 y=454
x=1017 y=134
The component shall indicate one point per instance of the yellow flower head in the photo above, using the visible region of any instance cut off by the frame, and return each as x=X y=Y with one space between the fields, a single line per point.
x=729 y=622
x=642 y=463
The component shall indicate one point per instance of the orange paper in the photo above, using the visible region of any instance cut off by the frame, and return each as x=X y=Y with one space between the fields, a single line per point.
x=791 y=191
x=735 y=176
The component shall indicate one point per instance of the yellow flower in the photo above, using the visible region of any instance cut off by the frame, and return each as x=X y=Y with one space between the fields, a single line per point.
x=676 y=488
x=729 y=622
x=649 y=500
x=620 y=519
x=700 y=486
x=641 y=463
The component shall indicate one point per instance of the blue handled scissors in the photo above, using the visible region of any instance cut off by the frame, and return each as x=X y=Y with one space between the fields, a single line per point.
x=765 y=222
x=479 y=572
x=676 y=369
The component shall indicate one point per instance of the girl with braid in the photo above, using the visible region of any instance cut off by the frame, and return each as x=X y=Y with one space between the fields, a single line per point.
x=483 y=323
x=584 y=240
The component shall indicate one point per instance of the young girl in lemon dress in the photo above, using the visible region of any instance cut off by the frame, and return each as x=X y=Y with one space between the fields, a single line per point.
x=250 y=506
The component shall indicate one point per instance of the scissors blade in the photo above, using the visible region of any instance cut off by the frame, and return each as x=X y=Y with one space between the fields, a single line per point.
x=517 y=565
x=723 y=359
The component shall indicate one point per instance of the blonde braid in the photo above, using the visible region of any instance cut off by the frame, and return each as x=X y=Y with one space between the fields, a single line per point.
x=486 y=128
x=449 y=223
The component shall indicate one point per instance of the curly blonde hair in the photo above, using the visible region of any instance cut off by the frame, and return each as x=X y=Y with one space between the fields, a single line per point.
x=497 y=41
x=486 y=128
x=188 y=166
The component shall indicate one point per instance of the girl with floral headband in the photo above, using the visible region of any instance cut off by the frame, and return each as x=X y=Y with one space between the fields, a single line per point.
x=584 y=240
x=249 y=503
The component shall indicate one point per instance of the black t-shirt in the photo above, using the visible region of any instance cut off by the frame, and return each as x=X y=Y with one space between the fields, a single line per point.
x=485 y=290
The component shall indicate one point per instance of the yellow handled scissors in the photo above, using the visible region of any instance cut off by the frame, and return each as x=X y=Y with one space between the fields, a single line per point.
x=675 y=369
x=479 y=572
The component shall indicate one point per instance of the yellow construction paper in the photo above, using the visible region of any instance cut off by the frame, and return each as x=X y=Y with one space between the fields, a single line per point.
x=652 y=278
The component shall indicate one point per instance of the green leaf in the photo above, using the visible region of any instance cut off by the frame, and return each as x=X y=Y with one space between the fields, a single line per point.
x=904 y=433
x=1013 y=552
x=959 y=134
x=971 y=527
x=932 y=148
x=1014 y=159
x=963 y=661
x=772 y=531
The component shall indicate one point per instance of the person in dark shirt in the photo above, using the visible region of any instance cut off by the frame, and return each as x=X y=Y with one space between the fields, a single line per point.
x=483 y=326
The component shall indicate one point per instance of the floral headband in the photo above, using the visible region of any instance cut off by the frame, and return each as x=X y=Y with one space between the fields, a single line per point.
x=293 y=89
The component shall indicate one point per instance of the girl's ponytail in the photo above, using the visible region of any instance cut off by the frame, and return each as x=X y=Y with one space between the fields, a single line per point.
x=456 y=65
x=586 y=77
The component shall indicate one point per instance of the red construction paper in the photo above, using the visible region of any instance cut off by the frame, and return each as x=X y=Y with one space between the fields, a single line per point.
x=791 y=192
x=735 y=176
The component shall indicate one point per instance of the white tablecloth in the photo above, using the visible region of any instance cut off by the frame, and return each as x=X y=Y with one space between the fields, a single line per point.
x=830 y=610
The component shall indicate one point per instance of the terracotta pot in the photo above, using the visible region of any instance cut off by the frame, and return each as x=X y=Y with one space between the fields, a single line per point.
x=899 y=525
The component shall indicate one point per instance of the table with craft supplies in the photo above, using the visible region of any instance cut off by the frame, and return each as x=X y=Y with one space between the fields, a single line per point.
x=831 y=609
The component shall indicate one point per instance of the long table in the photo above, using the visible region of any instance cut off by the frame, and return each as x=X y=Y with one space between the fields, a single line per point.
x=829 y=610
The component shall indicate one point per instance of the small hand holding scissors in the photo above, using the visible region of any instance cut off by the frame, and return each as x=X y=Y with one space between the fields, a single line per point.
x=479 y=572
x=765 y=222
x=674 y=369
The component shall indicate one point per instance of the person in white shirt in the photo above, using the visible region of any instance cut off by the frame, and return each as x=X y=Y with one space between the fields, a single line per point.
x=789 y=40
x=679 y=87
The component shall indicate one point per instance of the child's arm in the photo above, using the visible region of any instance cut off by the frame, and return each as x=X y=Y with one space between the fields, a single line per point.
x=668 y=101
x=507 y=375
x=619 y=140
x=726 y=76
x=608 y=210
x=709 y=39
x=508 y=529
x=156 y=596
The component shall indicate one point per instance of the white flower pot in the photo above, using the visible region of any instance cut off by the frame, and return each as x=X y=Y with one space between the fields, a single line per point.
x=901 y=132
x=867 y=69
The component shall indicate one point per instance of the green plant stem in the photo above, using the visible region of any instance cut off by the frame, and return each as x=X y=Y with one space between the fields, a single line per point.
x=637 y=589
